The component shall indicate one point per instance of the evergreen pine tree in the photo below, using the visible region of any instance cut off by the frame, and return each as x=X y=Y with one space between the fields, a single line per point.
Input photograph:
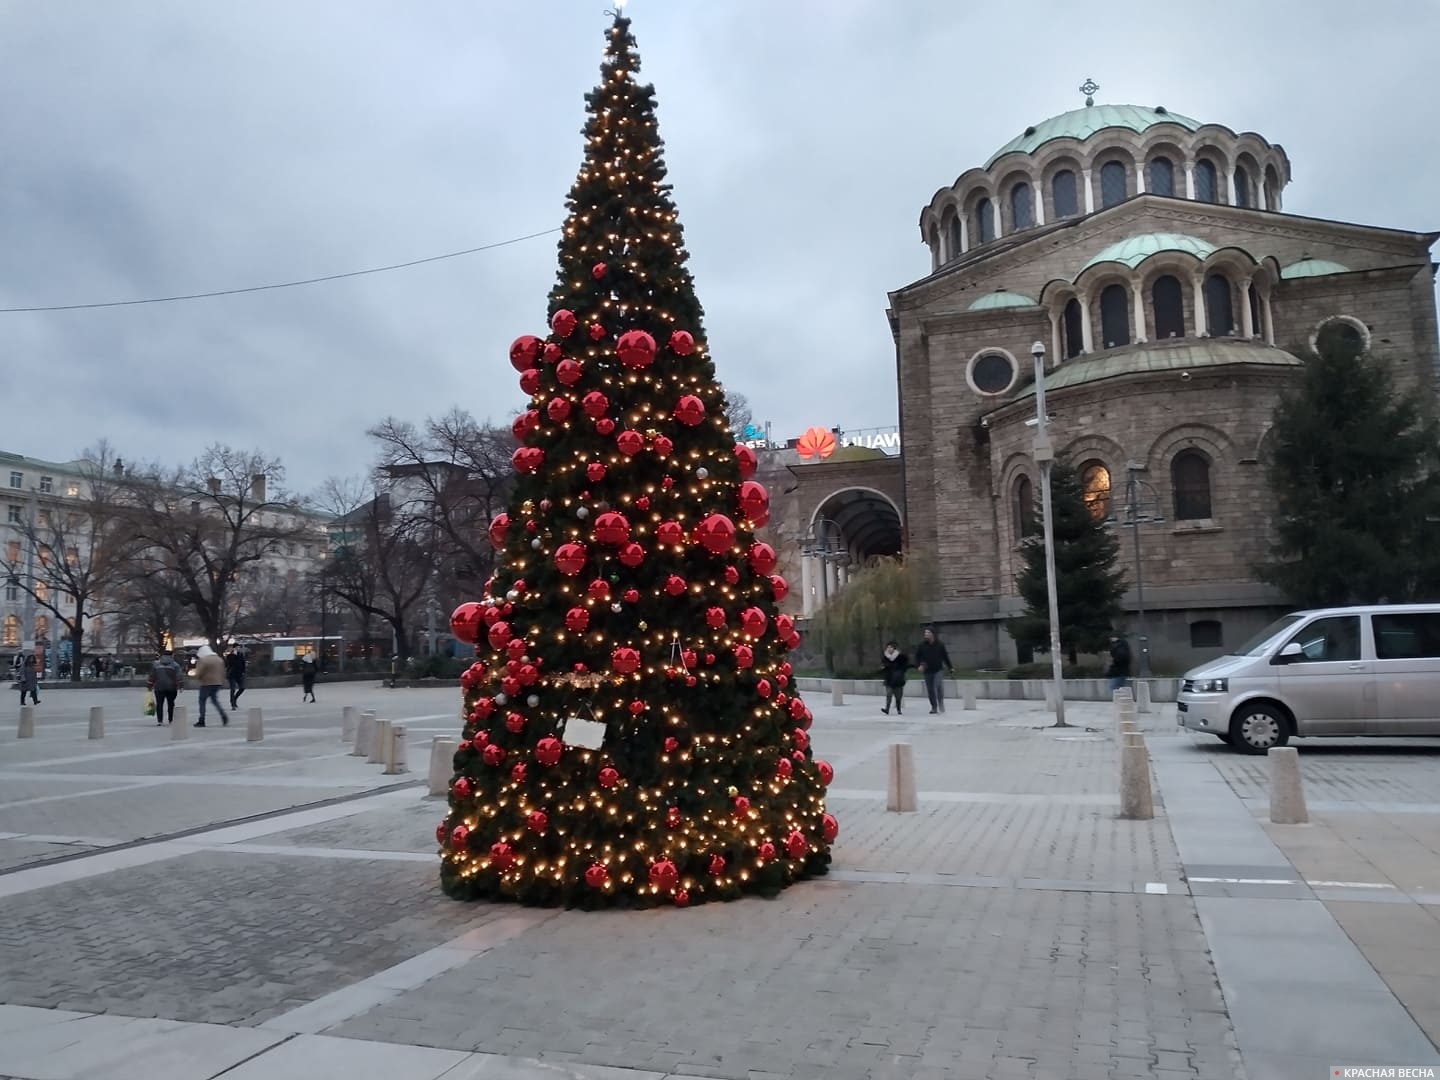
x=1088 y=585
x=632 y=735
x=1355 y=472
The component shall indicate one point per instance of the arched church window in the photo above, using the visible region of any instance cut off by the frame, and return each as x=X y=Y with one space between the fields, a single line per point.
x=1022 y=206
x=984 y=228
x=1242 y=186
x=1206 y=182
x=1062 y=190
x=1074 y=330
x=1115 y=316
x=1256 y=321
x=1341 y=335
x=956 y=243
x=1169 y=301
x=1112 y=183
x=1190 y=480
x=1095 y=489
x=1025 y=521
x=1219 y=308
x=1162 y=176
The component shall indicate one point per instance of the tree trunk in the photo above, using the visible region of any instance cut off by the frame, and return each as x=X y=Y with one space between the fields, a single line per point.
x=77 y=641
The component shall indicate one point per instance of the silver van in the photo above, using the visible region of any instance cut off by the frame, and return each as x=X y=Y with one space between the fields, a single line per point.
x=1333 y=671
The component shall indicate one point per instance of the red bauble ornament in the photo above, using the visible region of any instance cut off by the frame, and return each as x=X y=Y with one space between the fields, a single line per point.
x=558 y=409
x=510 y=685
x=502 y=856
x=514 y=723
x=596 y=876
x=576 y=620
x=563 y=322
x=662 y=445
x=551 y=353
x=671 y=744
x=688 y=658
x=763 y=688
x=753 y=621
x=755 y=502
x=717 y=865
x=682 y=342
x=625 y=660
x=800 y=739
x=609 y=777
x=782 y=700
x=674 y=584
x=548 y=750
x=458 y=836
x=599 y=589
x=742 y=804
x=499 y=634
x=643 y=502
x=612 y=528
x=517 y=773
x=826 y=771
x=631 y=596
x=762 y=558
x=783 y=768
x=682 y=898
x=440 y=833
x=484 y=707
x=732 y=576
x=746 y=459
x=597 y=331
x=524 y=351
x=795 y=844
x=689 y=410
x=744 y=656
x=528 y=459
x=498 y=526
x=663 y=875
x=492 y=615
x=632 y=554
x=605 y=425
x=537 y=821
x=481 y=740
x=524 y=424
x=516 y=646
x=465 y=622
x=570 y=558
x=636 y=349
x=715 y=617
x=595 y=471
x=715 y=533
x=690 y=680
x=829 y=828
x=709 y=658
x=530 y=380
x=672 y=817
x=465 y=746
x=786 y=669
x=669 y=534
x=636 y=708
x=595 y=403
x=797 y=708
x=518 y=585
x=598 y=271
x=461 y=788
x=779 y=587
x=784 y=626
x=494 y=754
x=767 y=851
x=667 y=482
x=568 y=372
x=630 y=442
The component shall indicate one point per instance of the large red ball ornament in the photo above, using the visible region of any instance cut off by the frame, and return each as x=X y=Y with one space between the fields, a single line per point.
x=625 y=660
x=662 y=445
x=530 y=380
x=595 y=472
x=784 y=769
x=612 y=528
x=690 y=680
x=797 y=708
x=746 y=459
x=762 y=558
x=715 y=617
x=744 y=656
x=609 y=777
x=599 y=589
x=440 y=833
x=767 y=851
x=524 y=424
x=529 y=674
x=631 y=596
x=689 y=410
x=826 y=771
x=784 y=626
x=753 y=621
x=786 y=669
x=517 y=772
x=528 y=459
x=674 y=584
x=669 y=534
x=515 y=647
x=514 y=723
x=829 y=828
x=524 y=351
x=682 y=342
x=576 y=620
x=630 y=442
x=458 y=836
x=763 y=688
x=598 y=270
x=688 y=658
x=499 y=634
x=570 y=558
x=481 y=740
x=502 y=856
x=663 y=875
x=563 y=322
x=568 y=372
x=595 y=403
x=716 y=533
x=494 y=754
x=604 y=425
x=548 y=750
x=597 y=331
x=755 y=502
x=537 y=821
x=636 y=349
x=552 y=353
x=596 y=876
x=800 y=739
x=461 y=788
x=779 y=587
x=632 y=554
x=510 y=685
x=484 y=707
x=465 y=622
x=558 y=409
x=492 y=615
x=795 y=844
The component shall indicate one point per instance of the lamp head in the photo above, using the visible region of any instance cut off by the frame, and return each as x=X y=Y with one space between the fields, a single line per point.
x=1038 y=350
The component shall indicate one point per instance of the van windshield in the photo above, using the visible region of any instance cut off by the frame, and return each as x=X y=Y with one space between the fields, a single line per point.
x=1262 y=642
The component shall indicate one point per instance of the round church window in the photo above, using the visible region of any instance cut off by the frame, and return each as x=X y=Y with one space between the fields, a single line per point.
x=1341 y=335
x=992 y=372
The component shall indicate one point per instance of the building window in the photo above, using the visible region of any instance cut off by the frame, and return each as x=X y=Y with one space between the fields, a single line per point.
x=1207 y=634
x=1342 y=335
x=42 y=593
x=954 y=240
x=1062 y=190
x=12 y=631
x=1162 y=176
x=14 y=513
x=1169 y=300
x=43 y=519
x=1219 y=309
x=1115 y=316
x=1025 y=521
x=1190 y=479
x=1095 y=489
x=12 y=552
x=1022 y=206
x=1206 y=182
x=984 y=222
x=1074 y=329
x=1242 y=186
x=42 y=627
x=47 y=485
x=1257 y=323
x=1112 y=183
x=72 y=489
x=12 y=593
x=991 y=373
x=72 y=557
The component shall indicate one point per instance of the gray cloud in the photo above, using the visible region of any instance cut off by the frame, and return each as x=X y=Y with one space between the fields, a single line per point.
x=162 y=147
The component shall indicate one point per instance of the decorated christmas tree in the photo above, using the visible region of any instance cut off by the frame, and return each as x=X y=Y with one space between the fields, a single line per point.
x=632 y=731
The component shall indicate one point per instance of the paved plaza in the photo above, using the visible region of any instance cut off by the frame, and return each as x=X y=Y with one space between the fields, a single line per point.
x=189 y=909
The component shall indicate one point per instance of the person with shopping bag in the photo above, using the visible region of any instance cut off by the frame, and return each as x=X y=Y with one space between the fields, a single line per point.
x=166 y=680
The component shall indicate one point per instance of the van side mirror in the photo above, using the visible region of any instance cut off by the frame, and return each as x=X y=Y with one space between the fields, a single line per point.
x=1290 y=653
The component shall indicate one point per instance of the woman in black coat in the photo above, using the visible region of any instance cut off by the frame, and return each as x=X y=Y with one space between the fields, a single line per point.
x=893 y=665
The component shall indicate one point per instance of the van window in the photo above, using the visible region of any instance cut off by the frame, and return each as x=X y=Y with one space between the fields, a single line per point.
x=1407 y=636
x=1260 y=644
x=1334 y=638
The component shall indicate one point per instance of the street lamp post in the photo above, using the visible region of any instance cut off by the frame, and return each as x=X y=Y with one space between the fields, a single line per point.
x=1135 y=515
x=1045 y=459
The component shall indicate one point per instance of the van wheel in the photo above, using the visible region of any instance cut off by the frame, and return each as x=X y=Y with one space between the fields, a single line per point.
x=1256 y=728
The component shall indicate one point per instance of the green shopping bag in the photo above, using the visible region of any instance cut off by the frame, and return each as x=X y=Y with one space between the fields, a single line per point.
x=149 y=703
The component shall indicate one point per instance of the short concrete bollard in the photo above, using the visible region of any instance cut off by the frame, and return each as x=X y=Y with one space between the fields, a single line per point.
x=349 y=715
x=1121 y=696
x=902 y=779
x=967 y=691
x=255 y=726
x=1287 y=790
x=379 y=743
x=397 y=758
x=180 y=725
x=442 y=765
x=1142 y=697
x=97 y=721
x=364 y=735
x=27 y=722
x=1137 y=802
x=837 y=695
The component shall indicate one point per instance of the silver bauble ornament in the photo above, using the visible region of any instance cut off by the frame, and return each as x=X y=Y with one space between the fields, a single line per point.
x=533 y=700
x=583 y=513
x=537 y=543
x=501 y=699
x=617 y=607
x=702 y=473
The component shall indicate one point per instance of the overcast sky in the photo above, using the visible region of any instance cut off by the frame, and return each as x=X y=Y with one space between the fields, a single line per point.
x=154 y=147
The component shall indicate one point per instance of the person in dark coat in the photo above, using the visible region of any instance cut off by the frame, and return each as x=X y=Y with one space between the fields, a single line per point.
x=235 y=674
x=933 y=660
x=307 y=678
x=893 y=665
x=29 y=679
x=1119 y=663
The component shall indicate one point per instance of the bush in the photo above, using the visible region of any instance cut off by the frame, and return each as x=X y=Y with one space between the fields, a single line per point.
x=1068 y=671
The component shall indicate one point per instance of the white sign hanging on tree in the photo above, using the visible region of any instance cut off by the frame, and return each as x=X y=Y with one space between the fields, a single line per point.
x=587 y=734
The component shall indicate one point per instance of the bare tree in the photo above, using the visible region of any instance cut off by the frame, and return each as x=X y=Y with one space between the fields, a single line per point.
x=738 y=413
x=149 y=603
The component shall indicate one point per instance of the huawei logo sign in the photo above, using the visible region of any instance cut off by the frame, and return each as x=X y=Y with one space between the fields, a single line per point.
x=816 y=444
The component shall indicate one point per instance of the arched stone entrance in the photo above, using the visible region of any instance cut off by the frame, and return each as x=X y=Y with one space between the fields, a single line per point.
x=848 y=528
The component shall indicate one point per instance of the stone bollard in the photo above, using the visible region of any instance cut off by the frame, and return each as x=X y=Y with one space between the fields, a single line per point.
x=27 y=722
x=442 y=764
x=397 y=759
x=379 y=743
x=180 y=724
x=1287 y=791
x=364 y=735
x=1142 y=697
x=967 y=691
x=902 y=778
x=1137 y=802
x=255 y=726
x=97 y=721
x=837 y=695
x=348 y=717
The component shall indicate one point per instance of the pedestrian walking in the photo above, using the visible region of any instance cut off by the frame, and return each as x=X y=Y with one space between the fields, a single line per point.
x=933 y=660
x=307 y=678
x=210 y=674
x=29 y=679
x=1119 y=663
x=893 y=665
x=165 y=682
x=235 y=664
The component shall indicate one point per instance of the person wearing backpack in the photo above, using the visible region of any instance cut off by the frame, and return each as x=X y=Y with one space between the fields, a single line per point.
x=166 y=680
